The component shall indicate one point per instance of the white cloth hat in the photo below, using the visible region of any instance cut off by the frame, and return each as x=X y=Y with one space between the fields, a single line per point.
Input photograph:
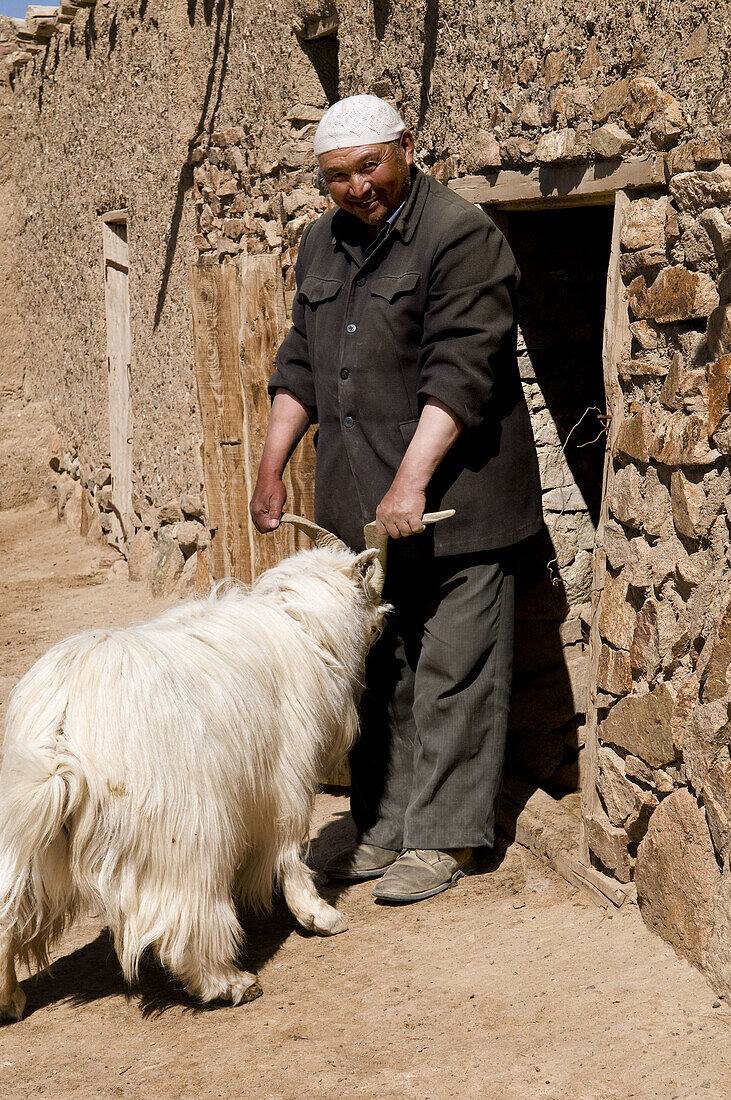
x=358 y=120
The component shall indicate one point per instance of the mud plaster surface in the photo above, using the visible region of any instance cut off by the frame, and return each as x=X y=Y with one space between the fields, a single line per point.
x=509 y=987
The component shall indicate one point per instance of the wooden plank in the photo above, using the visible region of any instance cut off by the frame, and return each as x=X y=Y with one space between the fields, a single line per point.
x=119 y=363
x=215 y=302
x=616 y=342
x=321 y=27
x=566 y=185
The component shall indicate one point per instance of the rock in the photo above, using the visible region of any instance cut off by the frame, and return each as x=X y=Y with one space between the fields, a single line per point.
x=64 y=488
x=553 y=67
x=682 y=440
x=668 y=123
x=530 y=116
x=688 y=497
x=618 y=547
x=640 y=724
x=140 y=555
x=592 y=60
x=634 y=436
x=718 y=230
x=645 y=224
x=676 y=295
x=188 y=535
x=614 y=674
x=167 y=564
x=296 y=154
x=686 y=701
x=610 y=141
x=644 y=98
x=185 y=588
x=677 y=876
x=234 y=228
x=644 y=334
x=637 y=769
x=90 y=527
x=644 y=654
x=697 y=246
x=625 y=496
x=616 y=614
x=611 y=101
x=484 y=152
x=191 y=506
x=619 y=796
x=609 y=844
x=647 y=260
x=565 y=498
x=169 y=513
x=303 y=113
x=694 y=191
x=718 y=970
x=527 y=71
x=557 y=146
x=718 y=374
x=717 y=802
x=636 y=824
x=717 y=668
x=655 y=505
x=72 y=511
x=719 y=323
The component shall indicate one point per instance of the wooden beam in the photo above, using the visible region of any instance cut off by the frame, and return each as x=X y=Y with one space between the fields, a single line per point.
x=566 y=185
x=321 y=28
x=615 y=345
x=119 y=361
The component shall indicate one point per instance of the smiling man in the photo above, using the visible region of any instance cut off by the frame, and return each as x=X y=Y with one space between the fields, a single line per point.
x=402 y=349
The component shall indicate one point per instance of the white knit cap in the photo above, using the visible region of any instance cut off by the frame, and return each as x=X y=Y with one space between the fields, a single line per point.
x=358 y=120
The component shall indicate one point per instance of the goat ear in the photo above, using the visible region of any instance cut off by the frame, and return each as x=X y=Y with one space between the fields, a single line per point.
x=363 y=566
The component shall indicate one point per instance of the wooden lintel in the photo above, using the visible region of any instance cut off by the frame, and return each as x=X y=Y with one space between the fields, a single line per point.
x=567 y=185
x=118 y=217
x=321 y=28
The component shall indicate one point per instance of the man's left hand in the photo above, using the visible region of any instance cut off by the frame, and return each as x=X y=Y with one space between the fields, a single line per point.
x=399 y=513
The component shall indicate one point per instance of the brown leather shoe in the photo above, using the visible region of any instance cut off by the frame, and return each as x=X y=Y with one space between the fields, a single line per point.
x=420 y=873
x=363 y=862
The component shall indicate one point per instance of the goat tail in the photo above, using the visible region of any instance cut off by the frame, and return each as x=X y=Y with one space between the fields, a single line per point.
x=39 y=787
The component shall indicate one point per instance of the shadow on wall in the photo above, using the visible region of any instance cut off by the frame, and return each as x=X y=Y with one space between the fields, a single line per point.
x=222 y=12
x=322 y=53
x=431 y=30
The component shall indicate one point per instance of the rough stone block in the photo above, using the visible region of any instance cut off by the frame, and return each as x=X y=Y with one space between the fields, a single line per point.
x=647 y=261
x=610 y=845
x=717 y=803
x=698 y=248
x=718 y=230
x=688 y=497
x=644 y=654
x=677 y=876
x=655 y=513
x=610 y=141
x=611 y=100
x=718 y=966
x=645 y=224
x=557 y=146
x=676 y=295
x=640 y=724
x=189 y=535
x=616 y=614
x=716 y=684
x=167 y=564
x=614 y=674
x=719 y=330
x=644 y=98
x=619 y=795
x=625 y=496
x=191 y=505
x=169 y=512
x=718 y=374
x=682 y=440
x=140 y=555
x=644 y=334
x=635 y=435
x=694 y=191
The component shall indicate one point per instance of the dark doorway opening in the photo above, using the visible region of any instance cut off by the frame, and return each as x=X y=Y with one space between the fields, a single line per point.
x=563 y=256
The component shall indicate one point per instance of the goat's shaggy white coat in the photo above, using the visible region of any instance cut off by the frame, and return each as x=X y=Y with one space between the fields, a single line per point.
x=160 y=771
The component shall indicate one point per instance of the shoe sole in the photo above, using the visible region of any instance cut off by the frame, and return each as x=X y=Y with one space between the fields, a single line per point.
x=405 y=898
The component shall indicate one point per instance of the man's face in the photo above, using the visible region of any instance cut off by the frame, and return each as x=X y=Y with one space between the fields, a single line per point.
x=369 y=181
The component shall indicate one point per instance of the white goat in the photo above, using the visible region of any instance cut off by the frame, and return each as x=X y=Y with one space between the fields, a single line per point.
x=156 y=772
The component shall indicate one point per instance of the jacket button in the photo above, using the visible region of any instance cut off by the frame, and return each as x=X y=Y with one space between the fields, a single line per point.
x=351 y=328
x=345 y=373
x=360 y=282
x=348 y=422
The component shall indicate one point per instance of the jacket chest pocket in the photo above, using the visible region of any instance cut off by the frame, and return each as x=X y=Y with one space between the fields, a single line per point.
x=315 y=290
x=393 y=287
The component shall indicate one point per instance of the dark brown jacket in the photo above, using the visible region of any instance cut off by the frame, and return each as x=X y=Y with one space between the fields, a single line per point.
x=429 y=311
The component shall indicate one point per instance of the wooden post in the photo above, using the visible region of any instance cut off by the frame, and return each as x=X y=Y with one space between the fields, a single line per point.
x=615 y=345
x=119 y=356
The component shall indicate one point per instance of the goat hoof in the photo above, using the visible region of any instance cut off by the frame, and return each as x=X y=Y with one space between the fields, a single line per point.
x=252 y=993
x=332 y=924
x=15 y=1007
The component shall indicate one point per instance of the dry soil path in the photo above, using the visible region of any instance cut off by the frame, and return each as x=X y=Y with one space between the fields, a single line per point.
x=511 y=986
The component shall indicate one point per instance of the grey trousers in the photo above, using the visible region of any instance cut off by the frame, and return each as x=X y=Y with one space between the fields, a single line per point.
x=427 y=767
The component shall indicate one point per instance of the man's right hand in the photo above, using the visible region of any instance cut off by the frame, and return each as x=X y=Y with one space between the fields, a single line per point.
x=267 y=503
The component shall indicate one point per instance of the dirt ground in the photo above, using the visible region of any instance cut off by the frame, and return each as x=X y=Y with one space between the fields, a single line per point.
x=511 y=986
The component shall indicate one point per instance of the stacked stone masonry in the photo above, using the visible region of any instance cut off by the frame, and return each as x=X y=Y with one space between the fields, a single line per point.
x=521 y=89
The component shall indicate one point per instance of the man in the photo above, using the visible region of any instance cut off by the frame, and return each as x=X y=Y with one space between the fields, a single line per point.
x=402 y=349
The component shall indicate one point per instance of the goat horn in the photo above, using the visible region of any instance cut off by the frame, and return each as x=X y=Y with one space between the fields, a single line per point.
x=319 y=535
x=374 y=540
